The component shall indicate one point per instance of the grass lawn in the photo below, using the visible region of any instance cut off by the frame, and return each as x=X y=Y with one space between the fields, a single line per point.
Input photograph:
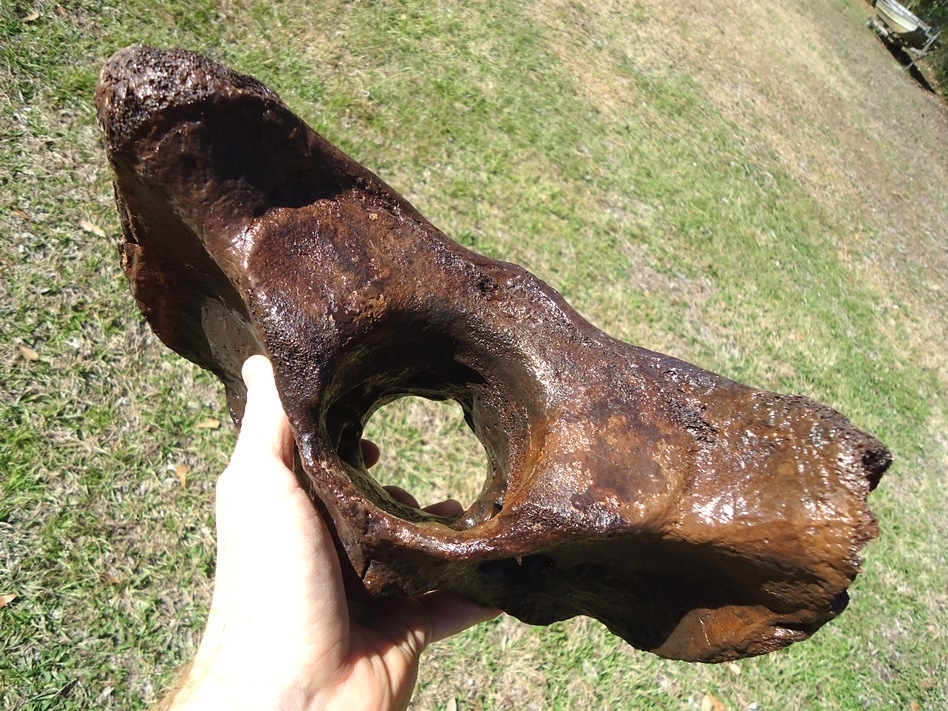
x=756 y=187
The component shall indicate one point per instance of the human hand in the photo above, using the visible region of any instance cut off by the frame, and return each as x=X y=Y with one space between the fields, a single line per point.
x=281 y=633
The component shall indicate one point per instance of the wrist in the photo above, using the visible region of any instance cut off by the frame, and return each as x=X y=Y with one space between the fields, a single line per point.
x=208 y=690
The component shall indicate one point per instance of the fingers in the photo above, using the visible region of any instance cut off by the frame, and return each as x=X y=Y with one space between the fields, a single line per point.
x=370 y=453
x=450 y=507
x=414 y=623
x=402 y=496
x=449 y=614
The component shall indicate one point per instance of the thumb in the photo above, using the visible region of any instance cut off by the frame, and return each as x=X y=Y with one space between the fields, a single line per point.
x=265 y=433
x=449 y=614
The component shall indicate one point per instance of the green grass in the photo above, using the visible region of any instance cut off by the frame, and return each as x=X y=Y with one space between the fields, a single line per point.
x=750 y=211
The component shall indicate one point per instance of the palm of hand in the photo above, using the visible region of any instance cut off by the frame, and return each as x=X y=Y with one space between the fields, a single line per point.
x=281 y=633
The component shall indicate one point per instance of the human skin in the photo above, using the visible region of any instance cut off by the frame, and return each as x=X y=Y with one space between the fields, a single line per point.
x=281 y=633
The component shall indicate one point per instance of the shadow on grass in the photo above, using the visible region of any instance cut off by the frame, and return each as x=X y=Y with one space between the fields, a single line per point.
x=909 y=65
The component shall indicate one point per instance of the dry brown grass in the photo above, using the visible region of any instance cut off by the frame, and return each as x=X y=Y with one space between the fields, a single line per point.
x=837 y=113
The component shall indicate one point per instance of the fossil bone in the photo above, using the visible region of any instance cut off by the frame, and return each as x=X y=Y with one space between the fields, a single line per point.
x=696 y=517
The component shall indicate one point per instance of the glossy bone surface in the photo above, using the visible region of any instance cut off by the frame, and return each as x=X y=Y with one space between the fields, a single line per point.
x=696 y=517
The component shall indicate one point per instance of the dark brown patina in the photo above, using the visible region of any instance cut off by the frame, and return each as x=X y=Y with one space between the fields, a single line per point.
x=696 y=517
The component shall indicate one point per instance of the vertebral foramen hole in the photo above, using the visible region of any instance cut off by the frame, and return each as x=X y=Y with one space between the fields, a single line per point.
x=428 y=450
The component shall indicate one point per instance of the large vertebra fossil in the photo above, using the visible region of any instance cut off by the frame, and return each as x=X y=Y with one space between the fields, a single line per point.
x=696 y=517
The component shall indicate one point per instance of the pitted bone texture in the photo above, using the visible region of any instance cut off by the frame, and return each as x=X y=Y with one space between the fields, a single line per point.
x=696 y=517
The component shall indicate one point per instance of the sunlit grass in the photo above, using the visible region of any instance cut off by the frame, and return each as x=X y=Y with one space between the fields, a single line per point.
x=576 y=140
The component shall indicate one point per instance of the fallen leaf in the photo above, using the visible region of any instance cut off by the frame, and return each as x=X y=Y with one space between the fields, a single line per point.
x=32 y=17
x=452 y=705
x=710 y=703
x=208 y=424
x=181 y=471
x=7 y=599
x=22 y=215
x=110 y=576
x=27 y=352
x=915 y=706
x=734 y=669
x=92 y=227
